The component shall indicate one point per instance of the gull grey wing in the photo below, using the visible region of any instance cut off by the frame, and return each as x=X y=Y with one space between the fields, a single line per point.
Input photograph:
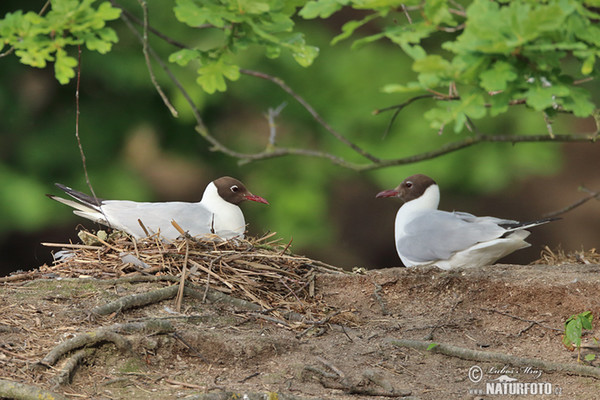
x=437 y=235
x=193 y=218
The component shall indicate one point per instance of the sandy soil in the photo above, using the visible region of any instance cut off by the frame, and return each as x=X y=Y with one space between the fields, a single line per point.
x=218 y=348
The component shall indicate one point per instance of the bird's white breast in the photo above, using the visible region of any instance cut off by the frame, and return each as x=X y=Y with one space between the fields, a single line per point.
x=227 y=217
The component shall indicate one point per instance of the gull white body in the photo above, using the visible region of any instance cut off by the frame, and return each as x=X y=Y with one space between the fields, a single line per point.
x=425 y=235
x=212 y=215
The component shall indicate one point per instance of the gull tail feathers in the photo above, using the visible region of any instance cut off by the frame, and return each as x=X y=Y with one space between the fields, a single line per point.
x=85 y=206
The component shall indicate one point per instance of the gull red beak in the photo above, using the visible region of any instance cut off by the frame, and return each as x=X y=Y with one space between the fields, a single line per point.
x=256 y=198
x=387 y=193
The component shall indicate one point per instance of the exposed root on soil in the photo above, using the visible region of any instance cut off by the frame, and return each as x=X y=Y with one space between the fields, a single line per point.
x=136 y=300
x=488 y=356
x=21 y=391
x=226 y=395
x=67 y=371
x=106 y=334
x=370 y=383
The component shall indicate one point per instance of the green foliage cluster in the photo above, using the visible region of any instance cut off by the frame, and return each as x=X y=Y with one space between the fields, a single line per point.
x=574 y=327
x=38 y=39
x=501 y=52
x=268 y=24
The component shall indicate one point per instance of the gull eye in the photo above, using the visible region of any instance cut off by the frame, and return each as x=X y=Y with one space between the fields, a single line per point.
x=408 y=184
x=234 y=188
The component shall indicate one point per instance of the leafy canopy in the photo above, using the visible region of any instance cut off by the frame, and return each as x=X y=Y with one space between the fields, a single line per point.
x=492 y=53
x=39 y=39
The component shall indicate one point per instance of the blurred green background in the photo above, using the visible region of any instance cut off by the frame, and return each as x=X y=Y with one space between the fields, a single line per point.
x=136 y=150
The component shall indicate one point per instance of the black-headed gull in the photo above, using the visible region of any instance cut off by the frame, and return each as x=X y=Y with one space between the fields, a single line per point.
x=217 y=213
x=427 y=236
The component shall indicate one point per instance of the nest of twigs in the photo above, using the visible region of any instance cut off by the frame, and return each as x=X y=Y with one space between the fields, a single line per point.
x=259 y=270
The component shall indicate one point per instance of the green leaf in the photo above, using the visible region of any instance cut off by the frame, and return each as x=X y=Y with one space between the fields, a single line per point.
x=539 y=98
x=212 y=75
x=188 y=12
x=432 y=346
x=590 y=357
x=437 y=12
x=498 y=76
x=305 y=54
x=107 y=12
x=499 y=103
x=321 y=8
x=410 y=87
x=253 y=7
x=588 y=65
x=64 y=67
x=184 y=56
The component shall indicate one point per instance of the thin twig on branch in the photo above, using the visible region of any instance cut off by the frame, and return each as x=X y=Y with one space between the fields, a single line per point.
x=593 y=195
x=279 y=82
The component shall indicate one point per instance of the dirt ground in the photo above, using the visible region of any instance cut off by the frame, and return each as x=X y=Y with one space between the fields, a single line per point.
x=218 y=350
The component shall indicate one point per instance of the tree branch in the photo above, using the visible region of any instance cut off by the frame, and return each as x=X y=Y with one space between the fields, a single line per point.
x=375 y=162
x=279 y=82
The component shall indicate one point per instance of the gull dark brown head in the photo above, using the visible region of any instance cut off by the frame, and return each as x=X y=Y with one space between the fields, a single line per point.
x=411 y=188
x=234 y=191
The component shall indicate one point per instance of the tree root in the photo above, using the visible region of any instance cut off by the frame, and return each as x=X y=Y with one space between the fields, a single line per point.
x=105 y=334
x=144 y=299
x=370 y=383
x=136 y=300
x=226 y=395
x=488 y=356
x=21 y=391
x=66 y=373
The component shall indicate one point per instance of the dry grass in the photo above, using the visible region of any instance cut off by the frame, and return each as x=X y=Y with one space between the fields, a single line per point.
x=558 y=257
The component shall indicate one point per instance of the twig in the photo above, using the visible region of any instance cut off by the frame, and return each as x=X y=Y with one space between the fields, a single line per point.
x=271 y=115
x=183 y=274
x=521 y=319
x=488 y=356
x=406 y=14
x=548 y=122
x=279 y=82
x=77 y=112
x=150 y=28
x=593 y=195
x=164 y=98
x=200 y=123
x=189 y=346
